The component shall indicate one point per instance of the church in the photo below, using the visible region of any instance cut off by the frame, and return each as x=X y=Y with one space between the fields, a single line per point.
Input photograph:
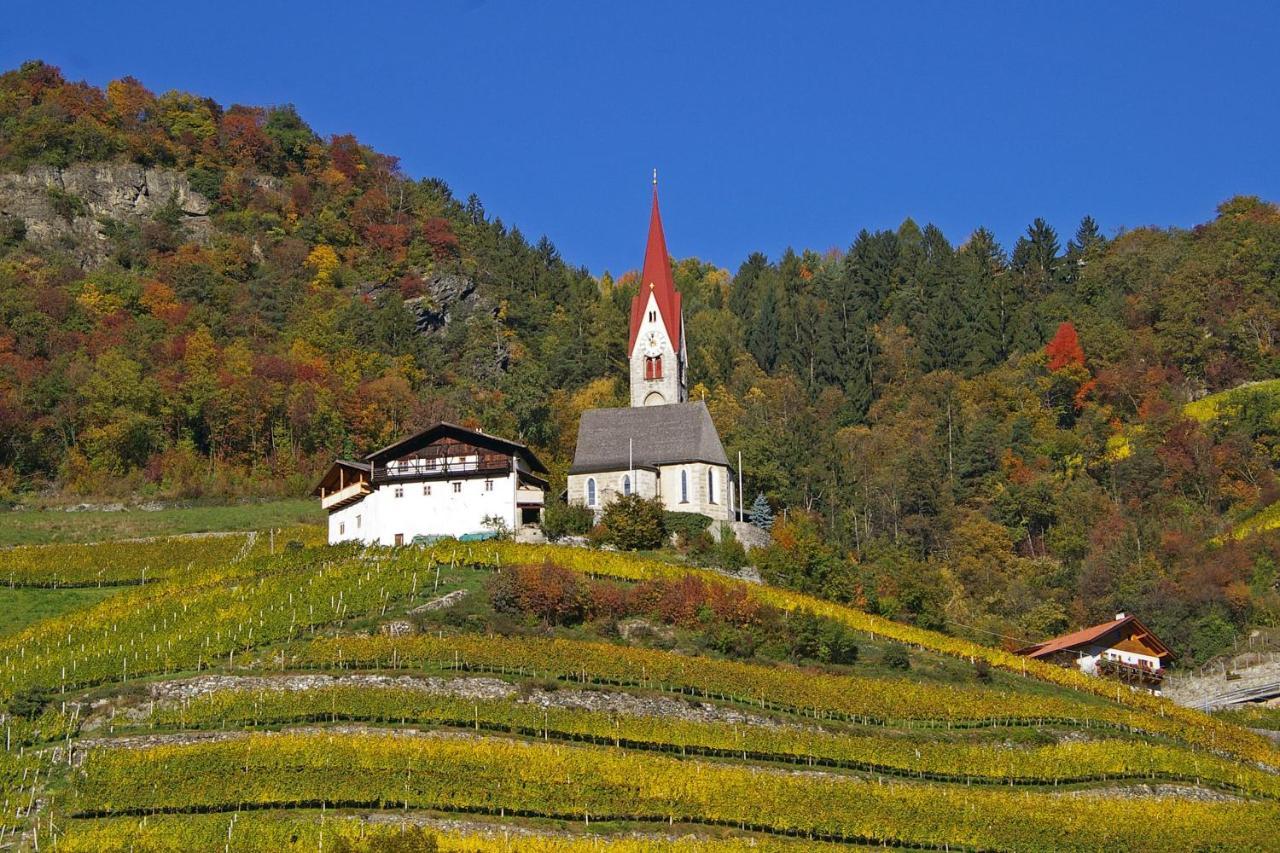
x=662 y=445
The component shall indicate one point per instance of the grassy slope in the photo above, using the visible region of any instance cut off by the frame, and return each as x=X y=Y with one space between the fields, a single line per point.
x=30 y=527
x=22 y=607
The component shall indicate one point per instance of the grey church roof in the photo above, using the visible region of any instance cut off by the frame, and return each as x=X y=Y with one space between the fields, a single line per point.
x=658 y=435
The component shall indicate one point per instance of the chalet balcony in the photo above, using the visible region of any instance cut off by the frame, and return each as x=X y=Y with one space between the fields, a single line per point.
x=432 y=469
x=1139 y=675
x=346 y=495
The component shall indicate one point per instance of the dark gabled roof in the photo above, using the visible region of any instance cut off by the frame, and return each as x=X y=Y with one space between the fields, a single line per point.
x=444 y=428
x=1093 y=634
x=655 y=435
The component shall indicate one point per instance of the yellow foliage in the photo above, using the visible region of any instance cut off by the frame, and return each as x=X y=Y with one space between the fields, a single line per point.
x=323 y=262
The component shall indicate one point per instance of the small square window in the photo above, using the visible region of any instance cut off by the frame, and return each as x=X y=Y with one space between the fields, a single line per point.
x=426 y=490
x=457 y=488
x=488 y=485
x=399 y=491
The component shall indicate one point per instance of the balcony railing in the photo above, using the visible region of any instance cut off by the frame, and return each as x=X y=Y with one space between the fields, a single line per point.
x=422 y=469
x=1147 y=676
x=345 y=495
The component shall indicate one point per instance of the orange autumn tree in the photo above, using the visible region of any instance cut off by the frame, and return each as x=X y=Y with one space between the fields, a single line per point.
x=1065 y=348
x=1069 y=382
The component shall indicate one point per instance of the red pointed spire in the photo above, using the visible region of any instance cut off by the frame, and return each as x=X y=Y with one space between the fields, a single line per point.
x=656 y=278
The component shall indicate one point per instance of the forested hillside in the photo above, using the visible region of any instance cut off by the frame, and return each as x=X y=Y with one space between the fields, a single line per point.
x=987 y=440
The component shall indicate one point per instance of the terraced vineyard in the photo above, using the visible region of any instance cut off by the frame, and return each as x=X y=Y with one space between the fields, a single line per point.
x=326 y=698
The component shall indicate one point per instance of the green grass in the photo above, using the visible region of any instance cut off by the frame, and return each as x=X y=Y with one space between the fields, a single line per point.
x=1252 y=716
x=1207 y=408
x=34 y=527
x=22 y=607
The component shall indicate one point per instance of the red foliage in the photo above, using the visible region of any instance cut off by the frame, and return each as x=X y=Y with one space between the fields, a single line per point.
x=243 y=137
x=439 y=235
x=1065 y=348
x=344 y=153
x=410 y=286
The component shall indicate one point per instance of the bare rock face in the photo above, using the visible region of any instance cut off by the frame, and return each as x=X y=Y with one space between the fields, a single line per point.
x=446 y=295
x=65 y=205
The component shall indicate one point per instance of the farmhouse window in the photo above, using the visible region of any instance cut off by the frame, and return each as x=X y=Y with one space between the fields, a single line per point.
x=399 y=491
x=457 y=488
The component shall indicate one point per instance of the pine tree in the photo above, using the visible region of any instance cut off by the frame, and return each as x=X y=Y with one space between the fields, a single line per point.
x=942 y=328
x=1035 y=257
x=1088 y=240
x=991 y=300
x=762 y=338
x=761 y=513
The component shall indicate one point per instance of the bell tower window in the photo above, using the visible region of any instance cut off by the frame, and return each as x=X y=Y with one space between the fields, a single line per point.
x=653 y=367
x=653 y=316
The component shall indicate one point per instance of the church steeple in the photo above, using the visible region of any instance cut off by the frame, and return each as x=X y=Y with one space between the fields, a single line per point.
x=656 y=278
x=657 y=324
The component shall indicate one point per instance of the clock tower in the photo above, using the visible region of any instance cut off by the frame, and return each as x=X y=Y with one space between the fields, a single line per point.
x=657 y=346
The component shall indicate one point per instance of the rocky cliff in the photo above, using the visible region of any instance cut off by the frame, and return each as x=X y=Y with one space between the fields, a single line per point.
x=68 y=206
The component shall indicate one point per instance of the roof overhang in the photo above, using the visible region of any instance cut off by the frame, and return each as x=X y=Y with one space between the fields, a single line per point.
x=440 y=429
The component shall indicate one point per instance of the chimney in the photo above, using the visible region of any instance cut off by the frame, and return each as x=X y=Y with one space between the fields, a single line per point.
x=1120 y=616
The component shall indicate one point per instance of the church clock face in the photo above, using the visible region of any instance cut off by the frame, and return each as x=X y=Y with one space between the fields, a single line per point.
x=651 y=345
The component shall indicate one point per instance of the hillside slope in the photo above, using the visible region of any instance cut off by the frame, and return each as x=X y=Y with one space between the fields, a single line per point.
x=253 y=699
x=208 y=300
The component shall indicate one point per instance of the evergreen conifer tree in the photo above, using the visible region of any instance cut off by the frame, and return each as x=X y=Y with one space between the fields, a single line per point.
x=761 y=513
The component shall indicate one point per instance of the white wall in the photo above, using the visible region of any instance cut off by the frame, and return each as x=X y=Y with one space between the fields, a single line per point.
x=609 y=486
x=699 y=499
x=442 y=513
x=668 y=387
x=667 y=484
x=1089 y=663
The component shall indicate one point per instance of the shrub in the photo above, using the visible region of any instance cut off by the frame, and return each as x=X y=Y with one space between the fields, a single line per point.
x=549 y=592
x=686 y=526
x=560 y=519
x=634 y=523
x=982 y=670
x=29 y=704
x=896 y=657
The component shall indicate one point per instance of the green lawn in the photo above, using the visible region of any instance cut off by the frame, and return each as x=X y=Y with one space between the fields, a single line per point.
x=21 y=607
x=33 y=527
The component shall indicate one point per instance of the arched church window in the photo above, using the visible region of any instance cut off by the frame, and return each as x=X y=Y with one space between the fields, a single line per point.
x=626 y=484
x=684 y=487
x=653 y=367
x=653 y=316
x=591 y=491
x=711 y=485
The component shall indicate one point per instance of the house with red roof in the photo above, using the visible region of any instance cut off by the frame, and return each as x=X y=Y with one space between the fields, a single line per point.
x=1122 y=648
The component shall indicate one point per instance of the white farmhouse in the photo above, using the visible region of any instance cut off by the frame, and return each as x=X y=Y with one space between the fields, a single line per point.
x=443 y=481
x=1123 y=648
x=662 y=446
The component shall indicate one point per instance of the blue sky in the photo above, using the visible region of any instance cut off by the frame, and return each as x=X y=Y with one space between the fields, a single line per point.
x=771 y=124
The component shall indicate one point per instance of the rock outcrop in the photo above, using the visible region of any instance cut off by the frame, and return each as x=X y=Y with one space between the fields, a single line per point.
x=67 y=206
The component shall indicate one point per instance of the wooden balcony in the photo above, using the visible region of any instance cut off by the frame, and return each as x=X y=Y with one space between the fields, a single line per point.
x=346 y=495
x=441 y=470
x=1139 y=675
